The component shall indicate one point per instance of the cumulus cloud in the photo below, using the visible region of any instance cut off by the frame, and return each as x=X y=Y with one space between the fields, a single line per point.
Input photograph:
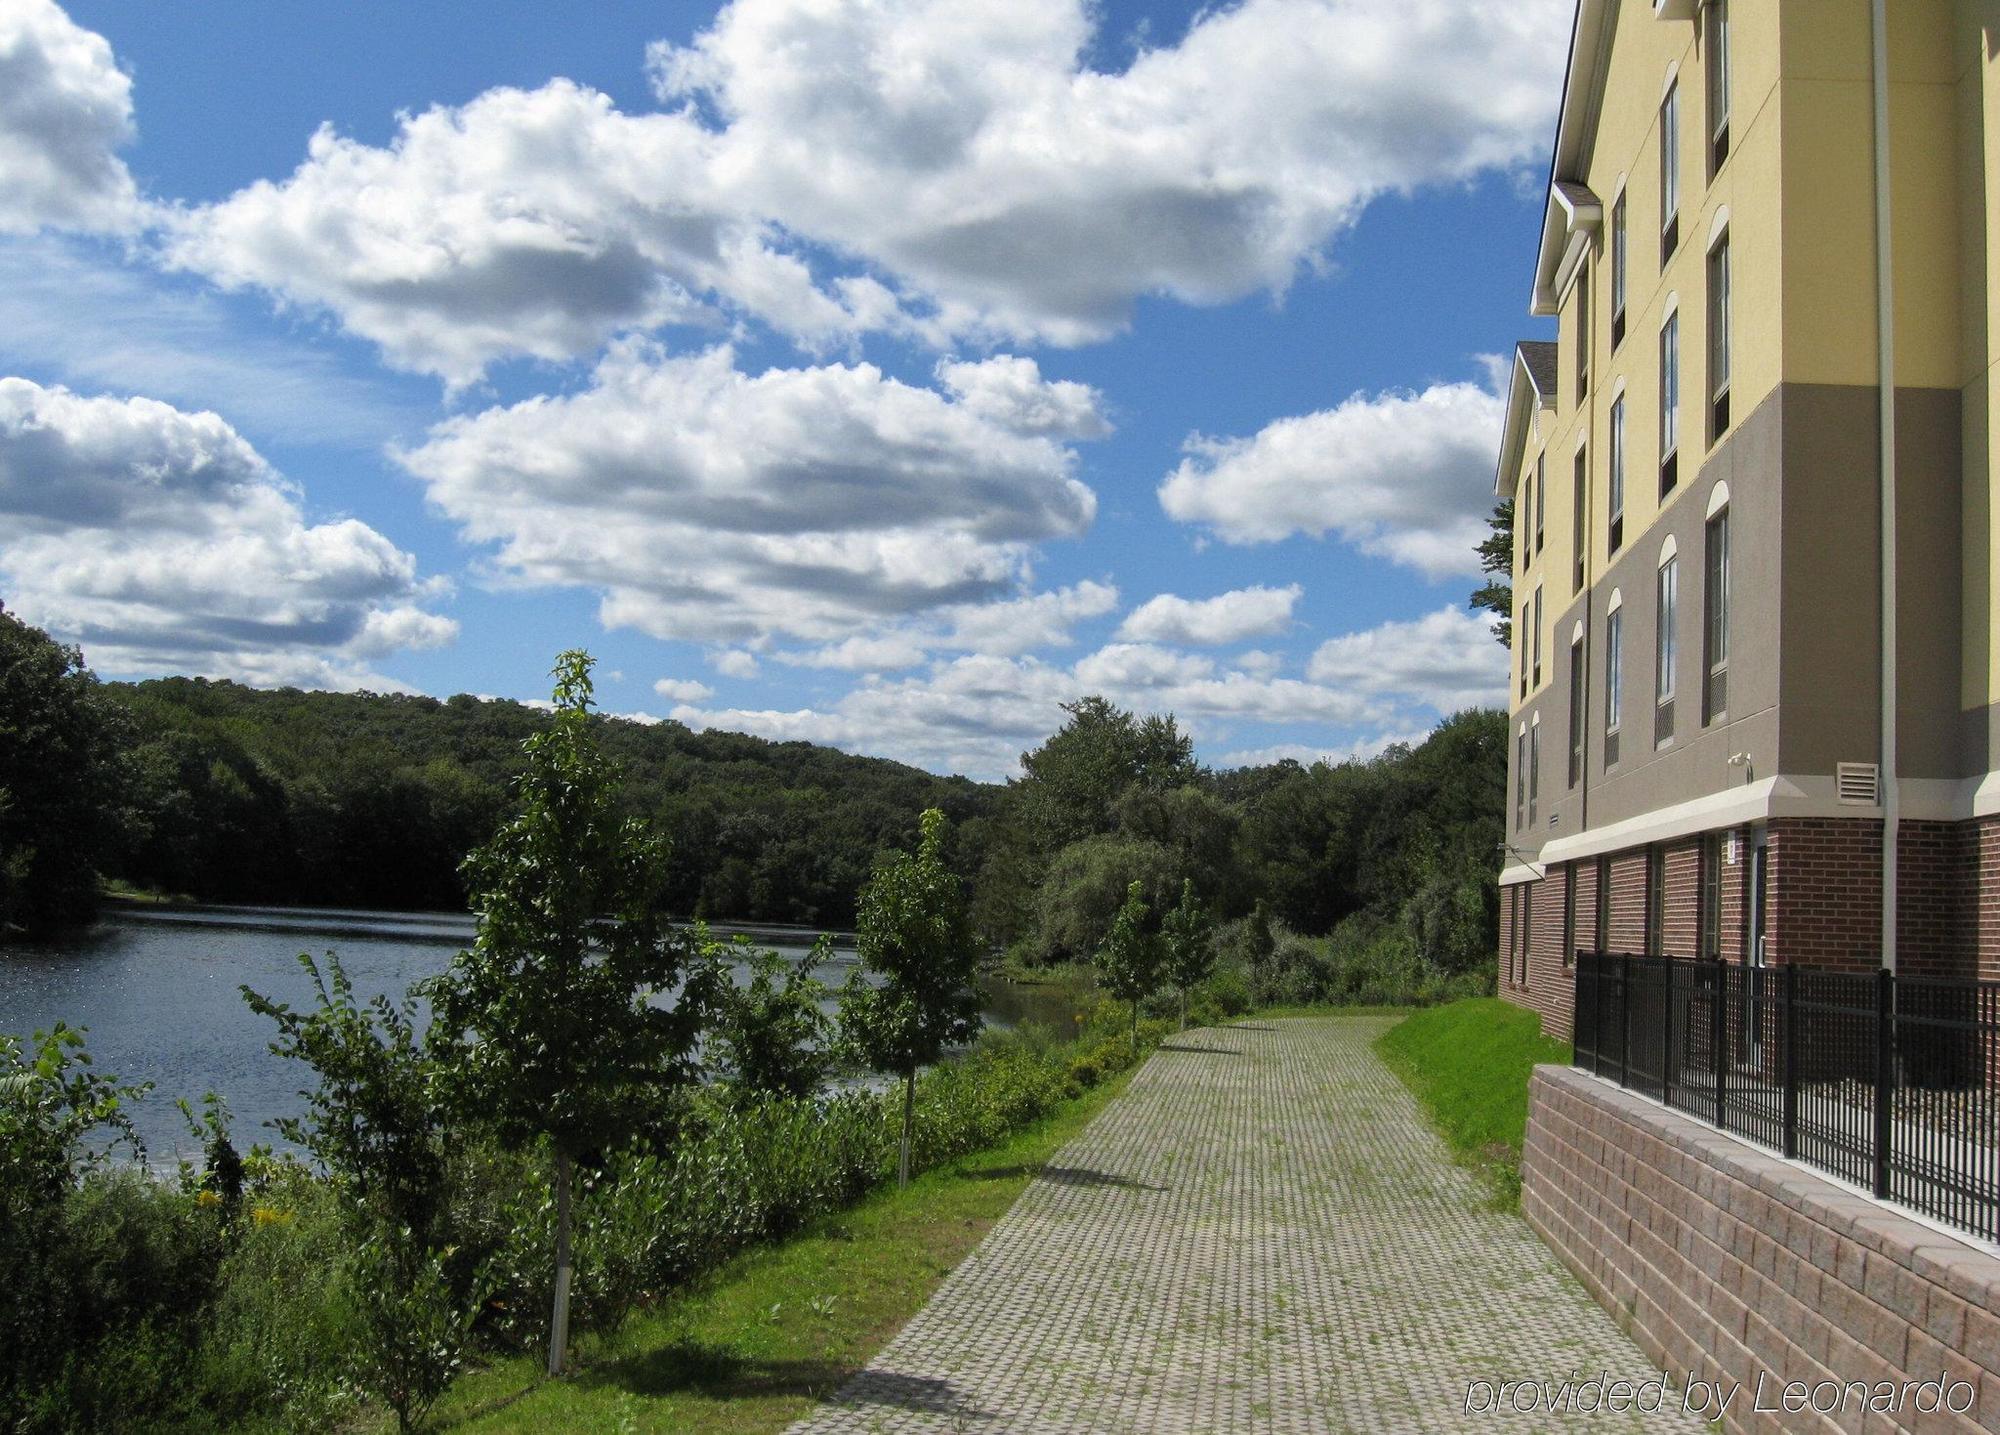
x=734 y=663
x=683 y=690
x=1447 y=660
x=925 y=167
x=65 y=111
x=1210 y=622
x=970 y=151
x=708 y=504
x=165 y=543
x=1405 y=476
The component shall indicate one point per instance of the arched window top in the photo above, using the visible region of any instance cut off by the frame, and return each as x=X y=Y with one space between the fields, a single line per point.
x=1668 y=551
x=1718 y=227
x=1617 y=602
x=1673 y=307
x=1576 y=634
x=1618 y=389
x=1718 y=497
x=1672 y=78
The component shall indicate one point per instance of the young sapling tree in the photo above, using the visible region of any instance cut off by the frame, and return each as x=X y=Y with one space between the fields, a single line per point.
x=558 y=1038
x=913 y=993
x=1129 y=960
x=1187 y=934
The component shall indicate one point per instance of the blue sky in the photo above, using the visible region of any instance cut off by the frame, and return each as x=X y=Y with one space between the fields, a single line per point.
x=881 y=375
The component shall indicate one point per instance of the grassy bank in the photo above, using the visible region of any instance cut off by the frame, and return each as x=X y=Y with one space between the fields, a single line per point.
x=776 y=1330
x=1469 y=1063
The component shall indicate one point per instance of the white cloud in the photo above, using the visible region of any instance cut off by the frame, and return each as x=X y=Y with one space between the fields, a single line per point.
x=713 y=505
x=927 y=167
x=968 y=150
x=1258 y=663
x=683 y=690
x=1406 y=476
x=1306 y=754
x=734 y=663
x=163 y=542
x=1013 y=626
x=885 y=653
x=65 y=111
x=1446 y=660
x=1210 y=622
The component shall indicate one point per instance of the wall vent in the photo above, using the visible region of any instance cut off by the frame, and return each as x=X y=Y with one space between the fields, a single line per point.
x=1859 y=784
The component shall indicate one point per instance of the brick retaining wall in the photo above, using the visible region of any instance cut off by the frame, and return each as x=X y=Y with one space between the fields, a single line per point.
x=1724 y=1262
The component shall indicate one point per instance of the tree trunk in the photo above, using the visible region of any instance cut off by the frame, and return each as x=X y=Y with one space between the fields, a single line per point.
x=559 y=1324
x=1135 y=1026
x=909 y=1124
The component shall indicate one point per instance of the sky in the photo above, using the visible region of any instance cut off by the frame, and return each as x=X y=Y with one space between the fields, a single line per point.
x=880 y=373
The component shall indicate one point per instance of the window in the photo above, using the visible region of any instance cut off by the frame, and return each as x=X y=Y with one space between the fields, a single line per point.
x=1534 y=767
x=1718 y=338
x=1527 y=527
x=1670 y=402
x=1656 y=900
x=1603 y=904
x=1618 y=270
x=1569 y=914
x=1541 y=503
x=1614 y=682
x=1582 y=333
x=1527 y=931
x=1618 y=474
x=1579 y=491
x=1708 y=921
x=1718 y=84
x=1535 y=621
x=1521 y=779
x=1715 y=630
x=1664 y=651
x=1576 y=711
x=1670 y=173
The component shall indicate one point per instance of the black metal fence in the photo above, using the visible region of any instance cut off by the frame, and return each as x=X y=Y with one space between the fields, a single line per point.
x=1885 y=1081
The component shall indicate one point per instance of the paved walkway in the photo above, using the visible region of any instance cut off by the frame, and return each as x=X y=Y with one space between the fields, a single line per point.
x=1261 y=1234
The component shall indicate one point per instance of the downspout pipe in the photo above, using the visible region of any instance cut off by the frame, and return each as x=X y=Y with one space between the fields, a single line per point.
x=1885 y=327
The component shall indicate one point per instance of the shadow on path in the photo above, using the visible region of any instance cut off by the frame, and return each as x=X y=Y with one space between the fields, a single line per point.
x=1204 y=1050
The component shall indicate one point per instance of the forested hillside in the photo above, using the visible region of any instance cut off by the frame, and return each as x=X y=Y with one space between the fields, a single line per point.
x=365 y=799
x=234 y=794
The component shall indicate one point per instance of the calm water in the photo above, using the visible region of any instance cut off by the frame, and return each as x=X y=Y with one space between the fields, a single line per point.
x=159 y=992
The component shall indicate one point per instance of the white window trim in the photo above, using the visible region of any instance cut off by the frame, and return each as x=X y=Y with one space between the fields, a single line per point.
x=1718 y=498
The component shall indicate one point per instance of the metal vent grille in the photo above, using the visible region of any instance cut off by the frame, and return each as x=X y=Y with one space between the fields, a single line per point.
x=1859 y=784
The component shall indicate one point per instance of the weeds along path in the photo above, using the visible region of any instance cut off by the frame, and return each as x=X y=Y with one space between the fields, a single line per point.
x=1261 y=1234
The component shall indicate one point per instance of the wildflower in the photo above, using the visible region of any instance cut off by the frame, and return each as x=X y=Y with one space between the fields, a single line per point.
x=207 y=1200
x=270 y=1216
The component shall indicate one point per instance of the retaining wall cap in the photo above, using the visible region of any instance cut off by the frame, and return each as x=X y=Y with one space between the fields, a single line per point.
x=1967 y=1270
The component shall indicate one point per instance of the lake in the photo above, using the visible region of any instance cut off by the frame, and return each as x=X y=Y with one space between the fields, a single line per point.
x=158 y=990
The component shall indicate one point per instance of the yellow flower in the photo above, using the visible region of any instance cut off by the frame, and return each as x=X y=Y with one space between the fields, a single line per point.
x=207 y=1200
x=270 y=1216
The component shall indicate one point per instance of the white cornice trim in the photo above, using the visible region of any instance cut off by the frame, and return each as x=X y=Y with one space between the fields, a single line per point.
x=1923 y=799
x=1523 y=872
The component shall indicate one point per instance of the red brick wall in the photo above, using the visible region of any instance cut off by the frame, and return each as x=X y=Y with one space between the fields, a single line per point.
x=1825 y=901
x=1628 y=901
x=1936 y=897
x=1982 y=908
x=1735 y=893
x=1681 y=927
x=1727 y=1263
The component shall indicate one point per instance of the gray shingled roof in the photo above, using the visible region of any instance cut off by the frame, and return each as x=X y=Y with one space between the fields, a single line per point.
x=1540 y=357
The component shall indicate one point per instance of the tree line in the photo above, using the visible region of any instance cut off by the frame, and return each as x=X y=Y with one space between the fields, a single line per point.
x=220 y=792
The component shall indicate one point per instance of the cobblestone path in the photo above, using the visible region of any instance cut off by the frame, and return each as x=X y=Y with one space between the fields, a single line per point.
x=1260 y=1234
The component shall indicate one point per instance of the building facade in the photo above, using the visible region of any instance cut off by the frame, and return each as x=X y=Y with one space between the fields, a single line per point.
x=1728 y=544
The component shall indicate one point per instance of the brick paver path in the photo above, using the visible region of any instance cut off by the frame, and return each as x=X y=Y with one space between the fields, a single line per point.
x=1261 y=1234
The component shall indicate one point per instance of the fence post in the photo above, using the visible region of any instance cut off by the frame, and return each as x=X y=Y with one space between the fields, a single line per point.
x=1667 y=1034
x=1718 y=1032
x=1625 y=1019
x=1791 y=1060
x=1885 y=1095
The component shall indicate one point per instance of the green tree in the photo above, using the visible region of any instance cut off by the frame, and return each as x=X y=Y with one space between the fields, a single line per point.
x=913 y=993
x=1188 y=935
x=557 y=1037
x=770 y=1036
x=1085 y=885
x=1129 y=960
x=59 y=740
x=376 y=1123
x=1071 y=782
x=1258 y=947
x=1496 y=555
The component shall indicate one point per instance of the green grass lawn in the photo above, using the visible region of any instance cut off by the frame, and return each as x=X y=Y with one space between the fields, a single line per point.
x=776 y=1330
x=1468 y=1063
